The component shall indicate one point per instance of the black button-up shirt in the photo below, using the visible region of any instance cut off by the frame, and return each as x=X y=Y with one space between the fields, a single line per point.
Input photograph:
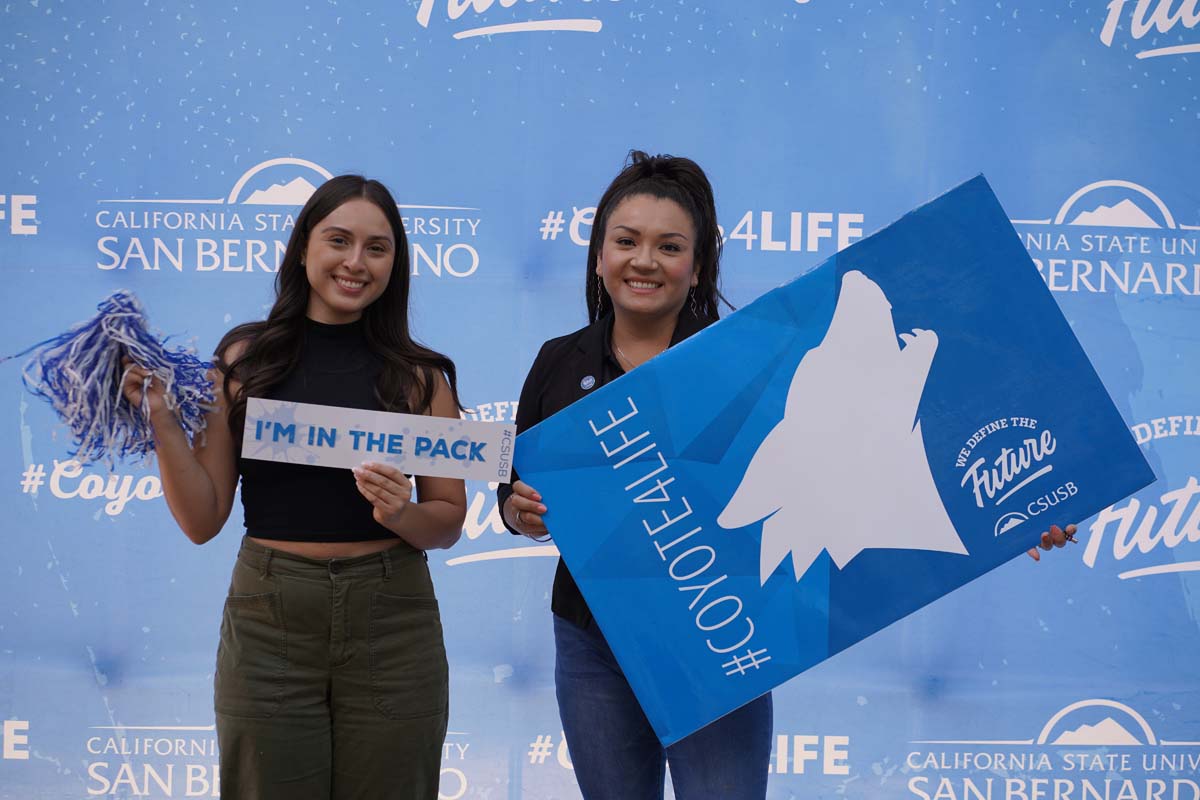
x=566 y=369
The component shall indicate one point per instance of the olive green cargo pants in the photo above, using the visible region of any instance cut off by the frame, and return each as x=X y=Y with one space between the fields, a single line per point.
x=331 y=678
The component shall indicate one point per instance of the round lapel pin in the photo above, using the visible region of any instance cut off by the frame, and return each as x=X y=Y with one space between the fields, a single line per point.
x=587 y=382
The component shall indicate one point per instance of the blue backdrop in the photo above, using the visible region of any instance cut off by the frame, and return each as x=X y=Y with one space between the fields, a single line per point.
x=163 y=147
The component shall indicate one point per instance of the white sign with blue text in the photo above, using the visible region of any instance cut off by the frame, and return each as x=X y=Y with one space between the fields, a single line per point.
x=331 y=436
x=843 y=451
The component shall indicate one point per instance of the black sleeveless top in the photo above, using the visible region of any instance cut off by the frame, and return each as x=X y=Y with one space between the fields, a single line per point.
x=300 y=503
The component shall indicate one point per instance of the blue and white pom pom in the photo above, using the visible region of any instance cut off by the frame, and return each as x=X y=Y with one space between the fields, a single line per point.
x=79 y=373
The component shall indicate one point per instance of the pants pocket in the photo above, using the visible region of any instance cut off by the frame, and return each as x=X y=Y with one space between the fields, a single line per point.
x=409 y=674
x=251 y=657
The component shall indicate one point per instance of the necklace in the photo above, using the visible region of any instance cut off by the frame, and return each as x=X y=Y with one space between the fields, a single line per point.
x=629 y=360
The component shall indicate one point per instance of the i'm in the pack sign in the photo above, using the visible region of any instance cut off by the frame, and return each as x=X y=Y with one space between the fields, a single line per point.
x=331 y=436
x=827 y=460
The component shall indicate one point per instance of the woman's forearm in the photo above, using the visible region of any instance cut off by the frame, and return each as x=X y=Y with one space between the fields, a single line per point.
x=189 y=489
x=430 y=525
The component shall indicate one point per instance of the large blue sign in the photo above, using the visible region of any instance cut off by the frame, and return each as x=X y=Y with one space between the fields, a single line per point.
x=166 y=148
x=844 y=450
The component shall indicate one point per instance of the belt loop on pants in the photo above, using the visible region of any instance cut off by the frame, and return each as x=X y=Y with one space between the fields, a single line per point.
x=264 y=567
x=387 y=564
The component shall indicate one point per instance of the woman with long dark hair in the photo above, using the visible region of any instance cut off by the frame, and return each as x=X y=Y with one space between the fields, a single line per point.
x=331 y=676
x=651 y=281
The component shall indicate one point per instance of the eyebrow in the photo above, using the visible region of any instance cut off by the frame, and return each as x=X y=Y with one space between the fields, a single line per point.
x=348 y=232
x=671 y=234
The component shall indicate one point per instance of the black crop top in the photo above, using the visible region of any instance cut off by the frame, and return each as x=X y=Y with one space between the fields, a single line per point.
x=300 y=503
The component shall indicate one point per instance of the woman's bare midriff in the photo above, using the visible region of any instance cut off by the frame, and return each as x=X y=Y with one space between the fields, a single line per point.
x=323 y=550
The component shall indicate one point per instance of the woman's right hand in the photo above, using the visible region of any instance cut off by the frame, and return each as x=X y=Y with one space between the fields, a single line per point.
x=524 y=509
x=134 y=385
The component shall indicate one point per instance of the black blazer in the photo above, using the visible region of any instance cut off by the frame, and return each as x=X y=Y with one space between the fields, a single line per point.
x=566 y=369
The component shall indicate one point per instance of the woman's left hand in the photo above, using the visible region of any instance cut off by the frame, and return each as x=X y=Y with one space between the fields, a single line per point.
x=1055 y=537
x=388 y=489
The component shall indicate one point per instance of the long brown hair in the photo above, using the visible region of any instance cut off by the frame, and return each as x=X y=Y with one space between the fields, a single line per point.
x=407 y=380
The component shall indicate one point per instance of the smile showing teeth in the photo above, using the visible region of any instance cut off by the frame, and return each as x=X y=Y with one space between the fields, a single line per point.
x=348 y=284
x=643 y=284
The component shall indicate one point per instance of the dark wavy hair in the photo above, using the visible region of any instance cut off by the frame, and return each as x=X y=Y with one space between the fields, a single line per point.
x=272 y=350
x=669 y=178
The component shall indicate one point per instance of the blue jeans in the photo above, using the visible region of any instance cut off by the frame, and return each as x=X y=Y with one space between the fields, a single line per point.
x=614 y=749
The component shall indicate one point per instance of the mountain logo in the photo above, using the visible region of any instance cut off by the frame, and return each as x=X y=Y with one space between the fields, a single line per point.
x=1106 y=733
x=1125 y=214
x=1009 y=521
x=1095 y=723
x=1113 y=204
x=294 y=193
x=850 y=420
x=292 y=190
x=1098 y=723
x=272 y=182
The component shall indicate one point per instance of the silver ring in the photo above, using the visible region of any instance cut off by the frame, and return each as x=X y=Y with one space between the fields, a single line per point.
x=519 y=520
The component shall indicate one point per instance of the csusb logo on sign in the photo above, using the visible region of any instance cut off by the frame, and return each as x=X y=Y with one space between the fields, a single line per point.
x=1114 y=236
x=1091 y=750
x=247 y=230
x=1153 y=530
x=456 y=9
x=1142 y=17
x=1017 y=464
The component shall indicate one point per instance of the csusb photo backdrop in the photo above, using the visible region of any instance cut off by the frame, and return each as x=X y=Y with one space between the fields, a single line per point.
x=165 y=148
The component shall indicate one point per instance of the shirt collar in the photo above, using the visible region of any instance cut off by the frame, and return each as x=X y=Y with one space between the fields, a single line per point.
x=597 y=339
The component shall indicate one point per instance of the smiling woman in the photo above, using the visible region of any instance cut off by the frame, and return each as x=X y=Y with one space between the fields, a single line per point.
x=651 y=281
x=348 y=262
x=647 y=263
x=333 y=564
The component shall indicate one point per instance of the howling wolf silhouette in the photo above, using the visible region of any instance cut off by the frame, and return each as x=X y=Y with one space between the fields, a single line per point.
x=845 y=469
